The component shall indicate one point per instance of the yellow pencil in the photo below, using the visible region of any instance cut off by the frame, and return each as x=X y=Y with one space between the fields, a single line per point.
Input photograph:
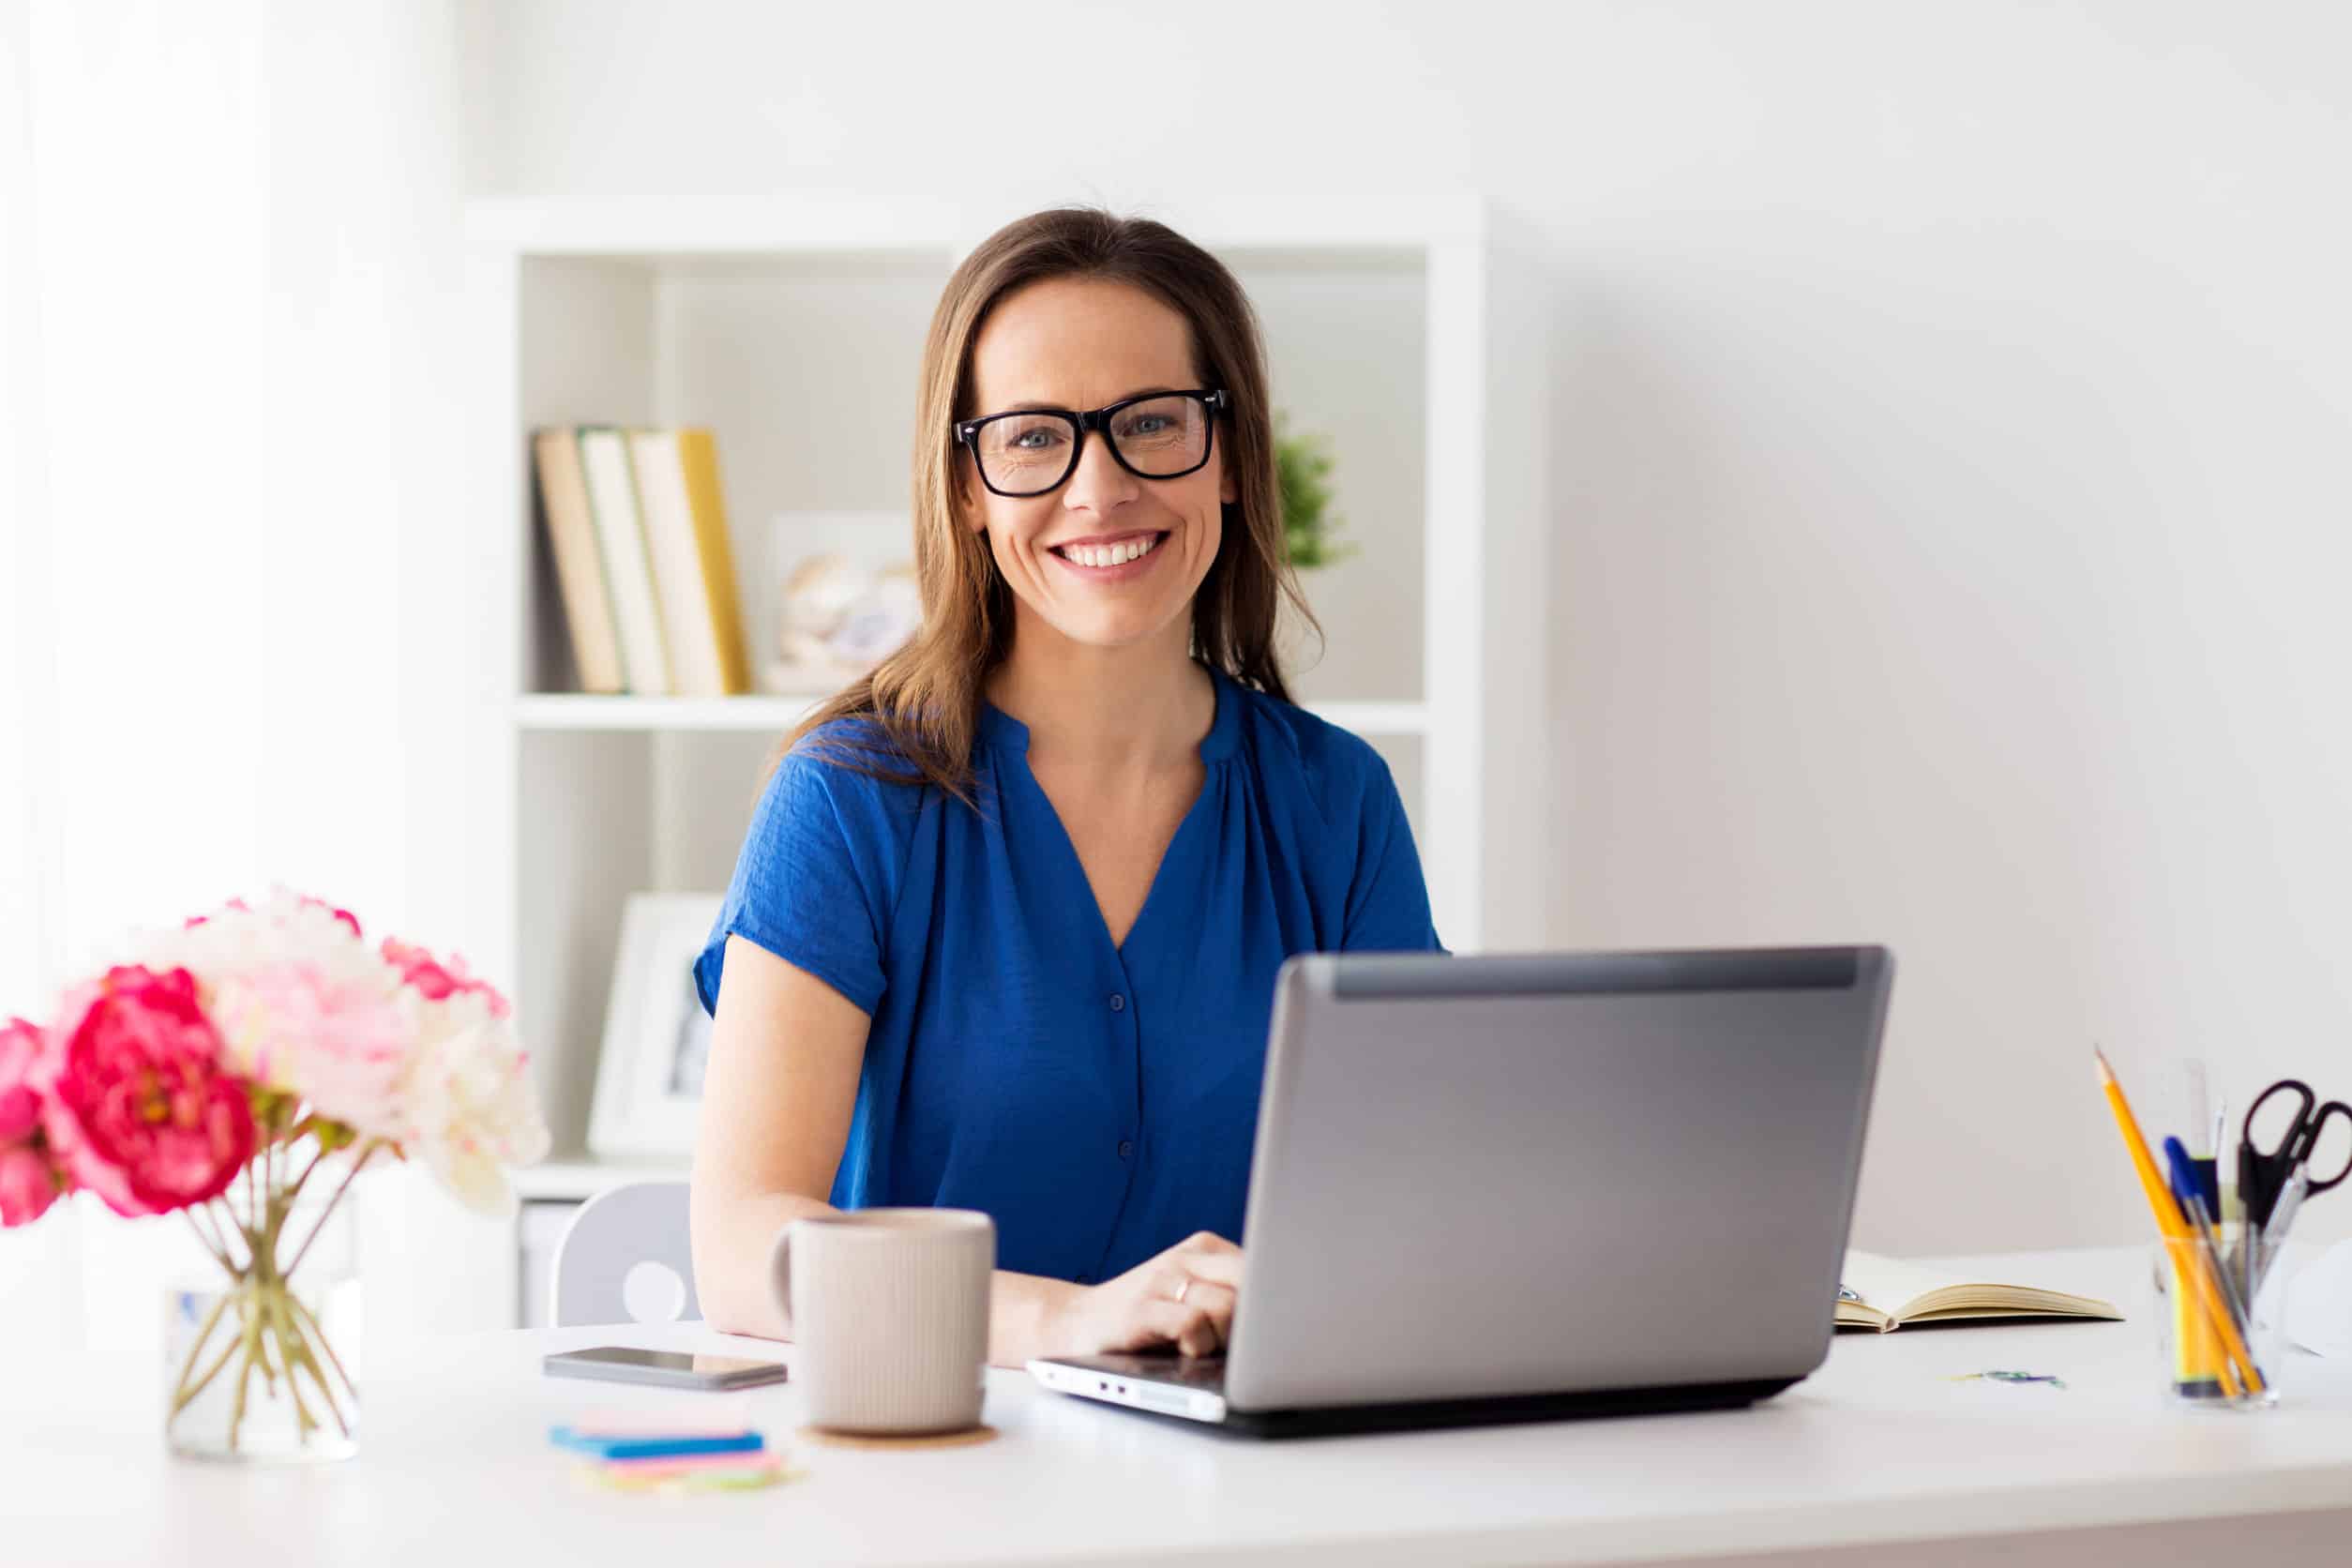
x=2175 y=1229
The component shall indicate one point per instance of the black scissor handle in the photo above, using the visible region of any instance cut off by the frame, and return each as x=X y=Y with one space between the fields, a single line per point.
x=2284 y=1150
x=2308 y=1142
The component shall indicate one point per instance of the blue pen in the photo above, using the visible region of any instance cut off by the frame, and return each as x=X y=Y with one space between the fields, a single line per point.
x=2185 y=1184
x=2201 y=1230
x=654 y=1447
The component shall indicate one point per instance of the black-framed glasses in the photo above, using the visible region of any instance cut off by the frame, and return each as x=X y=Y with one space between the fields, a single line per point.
x=1159 y=435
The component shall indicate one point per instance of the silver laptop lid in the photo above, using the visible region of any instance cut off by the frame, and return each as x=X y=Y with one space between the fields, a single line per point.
x=1521 y=1173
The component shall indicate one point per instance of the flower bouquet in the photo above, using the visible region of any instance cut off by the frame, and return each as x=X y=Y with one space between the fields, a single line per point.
x=232 y=1071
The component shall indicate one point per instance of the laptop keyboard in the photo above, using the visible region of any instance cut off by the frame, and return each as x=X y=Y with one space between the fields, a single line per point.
x=1206 y=1373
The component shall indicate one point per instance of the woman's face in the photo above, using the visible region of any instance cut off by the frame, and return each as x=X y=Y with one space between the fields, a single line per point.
x=1078 y=344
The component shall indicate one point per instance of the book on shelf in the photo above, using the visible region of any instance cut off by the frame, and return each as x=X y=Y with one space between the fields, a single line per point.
x=1889 y=1292
x=571 y=535
x=628 y=567
x=685 y=525
x=637 y=525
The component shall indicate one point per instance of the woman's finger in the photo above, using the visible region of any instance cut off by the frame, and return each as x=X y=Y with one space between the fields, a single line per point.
x=1216 y=1300
x=1161 y=1321
x=1209 y=1256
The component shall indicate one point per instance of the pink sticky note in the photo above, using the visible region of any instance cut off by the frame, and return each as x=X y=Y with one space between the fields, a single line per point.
x=652 y=1424
x=687 y=1464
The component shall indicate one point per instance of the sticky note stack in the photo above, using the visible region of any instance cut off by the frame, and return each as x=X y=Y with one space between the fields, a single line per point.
x=634 y=1456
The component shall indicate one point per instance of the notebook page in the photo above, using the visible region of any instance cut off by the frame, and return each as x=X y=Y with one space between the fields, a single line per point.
x=1890 y=1284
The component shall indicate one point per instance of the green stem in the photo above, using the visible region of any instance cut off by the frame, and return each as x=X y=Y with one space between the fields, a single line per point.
x=298 y=1350
x=208 y=1217
x=305 y=1423
x=318 y=1334
x=212 y=1320
x=251 y=1340
x=187 y=1396
x=295 y=1191
x=219 y=1253
x=222 y=1216
x=366 y=1153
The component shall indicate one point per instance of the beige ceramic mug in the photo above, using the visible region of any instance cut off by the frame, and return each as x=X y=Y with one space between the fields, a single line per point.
x=889 y=1312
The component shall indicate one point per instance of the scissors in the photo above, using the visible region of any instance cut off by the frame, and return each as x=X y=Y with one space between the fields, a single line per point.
x=2262 y=1174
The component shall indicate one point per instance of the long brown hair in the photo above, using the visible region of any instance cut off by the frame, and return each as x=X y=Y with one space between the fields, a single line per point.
x=920 y=706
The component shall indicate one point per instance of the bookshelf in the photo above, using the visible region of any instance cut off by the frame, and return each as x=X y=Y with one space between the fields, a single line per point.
x=1406 y=329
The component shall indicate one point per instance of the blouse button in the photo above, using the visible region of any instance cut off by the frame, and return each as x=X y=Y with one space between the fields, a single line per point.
x=1117 y=1002
x=1126 y=1148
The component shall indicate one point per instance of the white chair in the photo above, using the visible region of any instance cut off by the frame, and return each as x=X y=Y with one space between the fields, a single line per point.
x=628 y=1242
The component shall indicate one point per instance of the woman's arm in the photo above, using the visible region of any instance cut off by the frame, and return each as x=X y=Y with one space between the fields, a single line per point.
x=776 y=1093
x=785 y=1049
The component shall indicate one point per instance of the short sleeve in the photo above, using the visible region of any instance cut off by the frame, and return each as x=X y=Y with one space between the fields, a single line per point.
x=1388 y=901
x=810 y=884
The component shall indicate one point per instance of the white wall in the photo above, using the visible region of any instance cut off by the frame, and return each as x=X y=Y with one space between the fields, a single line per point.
x=1950 y=519
x=230 y=263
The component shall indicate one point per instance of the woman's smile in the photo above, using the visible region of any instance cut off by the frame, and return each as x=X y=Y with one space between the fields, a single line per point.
x=1115 y=558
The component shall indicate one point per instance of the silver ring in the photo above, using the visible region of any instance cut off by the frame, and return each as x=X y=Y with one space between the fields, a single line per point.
x=1180 y=1291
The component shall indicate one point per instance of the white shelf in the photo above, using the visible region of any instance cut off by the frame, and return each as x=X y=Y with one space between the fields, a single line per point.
x=569 y=711
x=564 y=711
x=786 y=227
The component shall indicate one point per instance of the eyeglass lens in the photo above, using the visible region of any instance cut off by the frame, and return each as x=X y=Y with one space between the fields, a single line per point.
x=1159 y=438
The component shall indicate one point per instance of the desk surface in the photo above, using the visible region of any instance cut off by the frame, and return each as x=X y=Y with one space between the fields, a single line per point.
x=1877 y=1447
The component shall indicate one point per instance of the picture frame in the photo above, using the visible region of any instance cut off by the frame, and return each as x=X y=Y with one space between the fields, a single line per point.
x=656 y=1037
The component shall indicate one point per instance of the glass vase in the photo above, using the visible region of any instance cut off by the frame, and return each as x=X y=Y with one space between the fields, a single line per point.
x=260 y=1357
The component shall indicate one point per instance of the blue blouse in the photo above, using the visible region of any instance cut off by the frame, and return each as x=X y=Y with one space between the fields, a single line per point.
x=1099 y=1101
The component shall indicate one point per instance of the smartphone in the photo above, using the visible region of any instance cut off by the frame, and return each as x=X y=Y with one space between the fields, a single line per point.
x=672 y=1368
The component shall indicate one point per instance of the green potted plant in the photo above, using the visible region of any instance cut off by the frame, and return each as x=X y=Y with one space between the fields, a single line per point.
x=1303 y=466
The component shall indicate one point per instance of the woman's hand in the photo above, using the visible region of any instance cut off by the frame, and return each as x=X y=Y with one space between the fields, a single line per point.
x=1183 y=1297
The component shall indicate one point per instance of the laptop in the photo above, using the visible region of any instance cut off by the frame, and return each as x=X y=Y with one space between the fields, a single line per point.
x=1531 y=1186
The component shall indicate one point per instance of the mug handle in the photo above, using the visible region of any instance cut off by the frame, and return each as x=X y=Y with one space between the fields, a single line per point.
x=780 y=1273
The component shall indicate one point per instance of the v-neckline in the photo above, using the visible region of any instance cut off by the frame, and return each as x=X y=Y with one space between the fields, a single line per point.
x=1011 y=735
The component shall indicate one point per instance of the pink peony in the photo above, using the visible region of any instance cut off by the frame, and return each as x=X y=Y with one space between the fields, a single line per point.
x=135 y=1103
x=29 y=1183
x=19 y=1107
x=438 y=982
x=29 y=1178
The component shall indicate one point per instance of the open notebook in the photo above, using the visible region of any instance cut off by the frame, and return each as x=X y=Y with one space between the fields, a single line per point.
x=1894 y=1292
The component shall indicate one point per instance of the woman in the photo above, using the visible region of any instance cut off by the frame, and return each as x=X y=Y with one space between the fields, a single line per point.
x=1005 y=928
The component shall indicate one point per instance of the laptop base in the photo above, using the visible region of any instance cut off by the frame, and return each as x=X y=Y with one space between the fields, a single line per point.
x=1422 y=1415
x=1191 y=1393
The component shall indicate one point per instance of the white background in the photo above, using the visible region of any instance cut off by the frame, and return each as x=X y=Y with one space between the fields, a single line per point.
x=1951 y=400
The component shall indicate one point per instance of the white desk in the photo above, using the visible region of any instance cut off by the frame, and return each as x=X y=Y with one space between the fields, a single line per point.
x=1876 y=1454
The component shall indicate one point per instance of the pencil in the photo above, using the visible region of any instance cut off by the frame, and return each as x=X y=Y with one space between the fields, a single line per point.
x=2169 y=1223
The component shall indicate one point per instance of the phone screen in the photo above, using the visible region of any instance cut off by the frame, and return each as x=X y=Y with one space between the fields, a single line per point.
x=691 y=1367
x=670 y=1361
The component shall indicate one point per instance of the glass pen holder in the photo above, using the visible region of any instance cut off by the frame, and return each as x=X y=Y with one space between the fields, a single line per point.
x=2212 y=1351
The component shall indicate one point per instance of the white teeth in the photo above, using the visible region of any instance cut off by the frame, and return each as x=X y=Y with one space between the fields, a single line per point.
x=1118 y=554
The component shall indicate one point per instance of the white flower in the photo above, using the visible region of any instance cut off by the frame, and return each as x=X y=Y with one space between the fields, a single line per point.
x=471 y=1111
